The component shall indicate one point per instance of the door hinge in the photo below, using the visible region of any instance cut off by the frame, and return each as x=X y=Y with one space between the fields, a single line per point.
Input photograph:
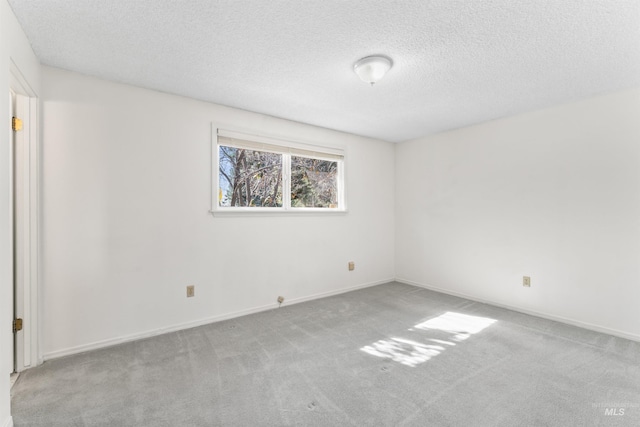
x=17 y=325
x=16 y=124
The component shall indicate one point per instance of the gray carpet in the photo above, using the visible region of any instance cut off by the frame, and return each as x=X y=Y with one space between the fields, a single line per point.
x=390 y=355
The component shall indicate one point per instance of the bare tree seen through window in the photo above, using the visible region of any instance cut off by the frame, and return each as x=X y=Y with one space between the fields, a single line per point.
x=314 y=183
x=249 y=178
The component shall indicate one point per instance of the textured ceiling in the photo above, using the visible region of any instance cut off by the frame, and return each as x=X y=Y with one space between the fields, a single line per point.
x=455 y=62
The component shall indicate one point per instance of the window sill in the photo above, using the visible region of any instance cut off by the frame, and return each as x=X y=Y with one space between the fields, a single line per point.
x=268 y=212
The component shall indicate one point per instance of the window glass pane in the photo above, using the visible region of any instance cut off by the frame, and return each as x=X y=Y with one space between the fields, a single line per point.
x=249 y=178
x=314 y=183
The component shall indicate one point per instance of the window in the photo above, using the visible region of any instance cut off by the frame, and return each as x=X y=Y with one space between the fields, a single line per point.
x=258 y=174
x=249 y=178
x=314 y=183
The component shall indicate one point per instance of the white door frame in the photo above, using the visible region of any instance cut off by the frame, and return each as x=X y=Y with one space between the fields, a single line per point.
x=26 y=271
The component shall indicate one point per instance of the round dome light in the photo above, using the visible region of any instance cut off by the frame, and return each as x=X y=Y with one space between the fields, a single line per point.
x=372 y=68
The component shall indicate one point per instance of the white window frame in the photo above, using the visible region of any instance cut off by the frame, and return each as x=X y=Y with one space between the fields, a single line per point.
x=286 y=149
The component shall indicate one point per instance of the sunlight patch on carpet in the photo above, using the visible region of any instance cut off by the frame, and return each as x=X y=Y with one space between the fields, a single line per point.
x=462 y=326
x=412 y=353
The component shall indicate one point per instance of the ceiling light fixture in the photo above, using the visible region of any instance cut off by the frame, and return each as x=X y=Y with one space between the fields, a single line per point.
x=372 y=69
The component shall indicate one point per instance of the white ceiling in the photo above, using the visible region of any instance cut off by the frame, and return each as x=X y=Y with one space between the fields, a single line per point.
x=455 y=62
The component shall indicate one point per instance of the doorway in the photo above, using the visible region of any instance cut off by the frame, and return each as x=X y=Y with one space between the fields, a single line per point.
x=24 y=220
x=12 y=110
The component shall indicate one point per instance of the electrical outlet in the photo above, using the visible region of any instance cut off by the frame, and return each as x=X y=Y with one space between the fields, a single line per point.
x=352 y=265
x=526 y=281
x=191 y=291
x=280 y=300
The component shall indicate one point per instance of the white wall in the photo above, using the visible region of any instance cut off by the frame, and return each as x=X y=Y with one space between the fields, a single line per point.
x=553 y=194
x=13 y=47
x=126 y=227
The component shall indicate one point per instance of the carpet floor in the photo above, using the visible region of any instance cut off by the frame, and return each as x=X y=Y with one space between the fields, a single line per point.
x=389 y=355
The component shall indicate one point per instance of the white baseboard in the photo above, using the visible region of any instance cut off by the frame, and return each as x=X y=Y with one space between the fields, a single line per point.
x=339 y=291
x=573 y=322
x=187 y=325
x=8 y=422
